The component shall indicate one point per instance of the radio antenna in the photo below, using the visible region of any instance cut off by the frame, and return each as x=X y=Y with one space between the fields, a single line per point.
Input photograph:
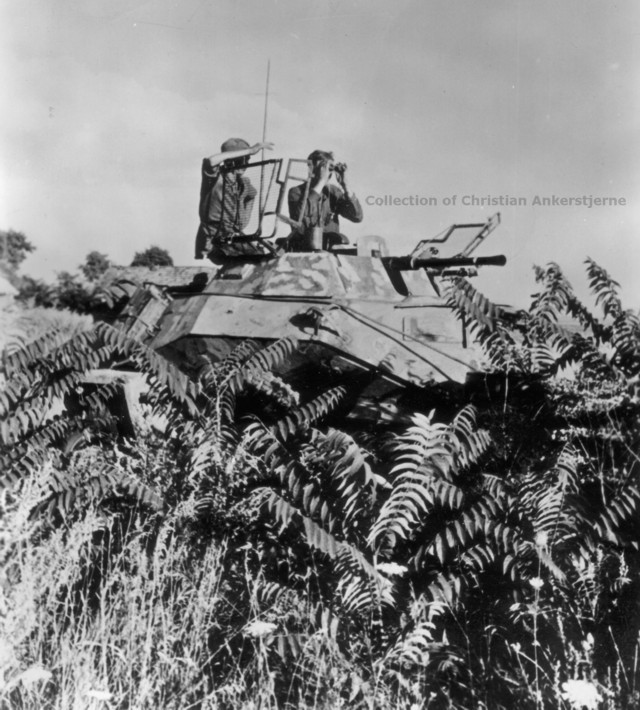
x=266 y=106
x=264 y=138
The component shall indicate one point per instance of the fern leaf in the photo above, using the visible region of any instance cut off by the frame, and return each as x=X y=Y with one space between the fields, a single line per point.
x=604 y=288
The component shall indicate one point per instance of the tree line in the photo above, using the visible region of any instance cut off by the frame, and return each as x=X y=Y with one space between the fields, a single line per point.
x=75 y=291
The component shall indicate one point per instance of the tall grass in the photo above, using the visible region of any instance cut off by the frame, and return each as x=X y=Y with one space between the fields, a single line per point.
x=122 y=627
x=20 y=324
x=96 y=615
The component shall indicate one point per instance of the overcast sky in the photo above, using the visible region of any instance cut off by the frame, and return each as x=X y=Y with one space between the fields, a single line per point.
x=110 y=105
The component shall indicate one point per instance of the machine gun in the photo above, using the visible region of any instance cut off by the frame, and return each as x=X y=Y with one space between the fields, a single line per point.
x=443 y=265
x=425 y=255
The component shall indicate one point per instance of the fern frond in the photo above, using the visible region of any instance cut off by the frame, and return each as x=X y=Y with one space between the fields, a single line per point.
x=553 y=515
x=604 y=288
x=591 y=360
x=553 y=300
x=486 y=324
x=625 y=339
x=25 y=455
x=315 y=535
x=478 y=558
x=576 y=309
x=479 y=521
x=21 y=356
x=428 y=457
x=617 y=513
x=469 y=443
x=263 y=442
x=469 y=303
x=344 y=477
x=446 y=588
x=230 y=365
x=67 y=490
x=309 y=413
x=264 y=360
x=362 y=596
x=162 y=375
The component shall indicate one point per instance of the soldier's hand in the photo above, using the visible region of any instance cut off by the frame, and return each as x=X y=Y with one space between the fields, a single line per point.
x=340 y=170
x=261 y=146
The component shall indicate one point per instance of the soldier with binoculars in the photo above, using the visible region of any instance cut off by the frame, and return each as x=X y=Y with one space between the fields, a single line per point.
x=325 y=202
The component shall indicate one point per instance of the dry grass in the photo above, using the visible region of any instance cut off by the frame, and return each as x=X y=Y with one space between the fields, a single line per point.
x=20 y=324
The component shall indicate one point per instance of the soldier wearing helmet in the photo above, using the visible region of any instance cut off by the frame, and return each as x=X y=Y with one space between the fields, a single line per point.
x=226 y=196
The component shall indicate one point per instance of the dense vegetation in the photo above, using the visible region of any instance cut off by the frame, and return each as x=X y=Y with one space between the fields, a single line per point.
x=80 y=291
x=248 y=548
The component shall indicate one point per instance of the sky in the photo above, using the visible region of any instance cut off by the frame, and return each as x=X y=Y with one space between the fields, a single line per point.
x=109 y=107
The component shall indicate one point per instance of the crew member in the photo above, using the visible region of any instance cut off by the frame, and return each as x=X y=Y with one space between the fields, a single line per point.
x=325 y=203
x=226 y=196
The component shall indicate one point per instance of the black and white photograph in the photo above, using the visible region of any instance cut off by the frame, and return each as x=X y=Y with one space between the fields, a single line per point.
x=319 y=355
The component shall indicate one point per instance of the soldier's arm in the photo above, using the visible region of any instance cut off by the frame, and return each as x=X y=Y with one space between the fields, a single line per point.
x=218 y=158
x=347 y=205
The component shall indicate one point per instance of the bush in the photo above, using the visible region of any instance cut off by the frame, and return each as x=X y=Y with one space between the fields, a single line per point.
x=153 y=256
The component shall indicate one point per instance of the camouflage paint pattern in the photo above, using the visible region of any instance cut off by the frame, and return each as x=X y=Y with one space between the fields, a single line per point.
x=344 y=304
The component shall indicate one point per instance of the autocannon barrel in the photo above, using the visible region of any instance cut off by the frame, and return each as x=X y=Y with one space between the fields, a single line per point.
x=407 y=263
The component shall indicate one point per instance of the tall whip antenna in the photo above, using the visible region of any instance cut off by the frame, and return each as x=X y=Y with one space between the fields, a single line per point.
x=266 y=106
x=264 y=138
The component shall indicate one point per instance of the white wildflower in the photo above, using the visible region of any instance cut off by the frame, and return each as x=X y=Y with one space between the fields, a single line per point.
x=34 y=675
x=542 y=538
x=536 y=582
x=259 y=629
x=581 y=694
x=392 y=569
x=588 y=643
